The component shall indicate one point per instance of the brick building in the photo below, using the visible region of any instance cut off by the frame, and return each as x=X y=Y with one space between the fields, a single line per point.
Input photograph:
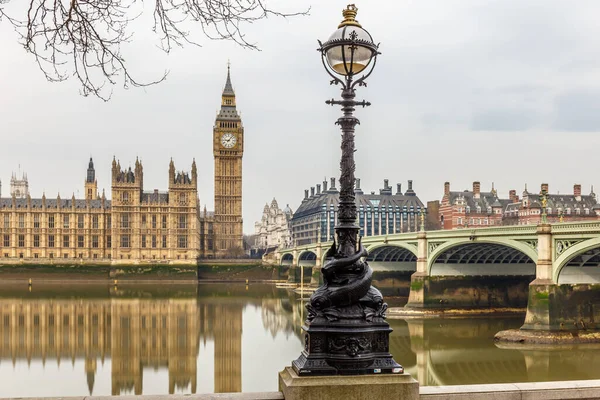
x=474 y=208
x=471 y=207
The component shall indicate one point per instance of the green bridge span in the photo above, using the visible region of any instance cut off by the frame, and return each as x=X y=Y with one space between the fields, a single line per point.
x=552 y=269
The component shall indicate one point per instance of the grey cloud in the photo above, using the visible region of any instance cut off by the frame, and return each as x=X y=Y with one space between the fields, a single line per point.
x=503 y=120
x=578 y=111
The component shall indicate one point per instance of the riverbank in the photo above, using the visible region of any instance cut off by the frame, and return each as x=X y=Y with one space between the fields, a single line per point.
x=515 y=338
x=408 y=313
x=207 y=271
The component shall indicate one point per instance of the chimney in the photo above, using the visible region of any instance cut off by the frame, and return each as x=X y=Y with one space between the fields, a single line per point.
x=512 y=195
x=318 y=188
x=387 y=189
x=545 y=187
x=332 y=183
x=357 y=188
x=476 y=189
x=312 y=191
x=410 y=191
x=399 y=189
x=324 y=186
x=306 y=194
x=577 y=191
x=447 y=188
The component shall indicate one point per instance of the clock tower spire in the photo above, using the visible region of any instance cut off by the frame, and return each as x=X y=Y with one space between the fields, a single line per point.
x=228 y=150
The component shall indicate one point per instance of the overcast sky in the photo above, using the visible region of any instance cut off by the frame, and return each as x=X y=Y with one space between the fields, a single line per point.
x=503 y=91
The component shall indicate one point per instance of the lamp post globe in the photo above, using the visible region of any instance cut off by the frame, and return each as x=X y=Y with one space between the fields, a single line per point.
x=345 y=331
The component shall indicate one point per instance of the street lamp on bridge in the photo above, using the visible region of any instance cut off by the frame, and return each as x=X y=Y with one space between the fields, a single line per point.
x=345 y=331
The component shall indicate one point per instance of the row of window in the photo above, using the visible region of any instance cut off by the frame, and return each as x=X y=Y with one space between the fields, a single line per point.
x=182 y=241
x=126 y=221
x=51 y=223
x=66 y=241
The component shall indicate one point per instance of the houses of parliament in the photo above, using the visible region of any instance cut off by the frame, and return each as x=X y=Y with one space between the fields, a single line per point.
x=135 y=226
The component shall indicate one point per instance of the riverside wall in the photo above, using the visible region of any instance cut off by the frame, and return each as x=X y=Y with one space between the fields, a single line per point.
x=206 y=270
x=588 y=390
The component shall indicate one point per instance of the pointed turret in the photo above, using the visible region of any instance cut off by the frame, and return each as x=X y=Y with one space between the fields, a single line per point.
x=228 y=89
x=171 y=171
x=228 y=100
x=91 y=172
x=91 y=186
x=194 y=173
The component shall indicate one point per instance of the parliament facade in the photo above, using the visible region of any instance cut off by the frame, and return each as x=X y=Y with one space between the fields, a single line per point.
x=134 y=226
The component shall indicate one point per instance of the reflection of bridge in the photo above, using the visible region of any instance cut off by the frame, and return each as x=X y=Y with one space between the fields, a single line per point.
x=134 y=334
x=564 y=260
x=461 y=352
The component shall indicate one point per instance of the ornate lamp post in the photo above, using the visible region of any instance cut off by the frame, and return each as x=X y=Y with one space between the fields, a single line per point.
x=345 y=331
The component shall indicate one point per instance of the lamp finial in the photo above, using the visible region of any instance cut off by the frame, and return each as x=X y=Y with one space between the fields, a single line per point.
x=349 y=16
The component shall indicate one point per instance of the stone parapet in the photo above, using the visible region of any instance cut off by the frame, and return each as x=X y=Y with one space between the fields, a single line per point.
x=589 y=390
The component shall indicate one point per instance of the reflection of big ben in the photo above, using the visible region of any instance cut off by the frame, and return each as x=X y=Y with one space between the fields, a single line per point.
x=228 y=149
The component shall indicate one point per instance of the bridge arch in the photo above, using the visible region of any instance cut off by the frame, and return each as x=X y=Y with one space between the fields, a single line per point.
x=392 y=257
x=287 y=259
x=579 y=263
x=482 y=257
x=307 y=258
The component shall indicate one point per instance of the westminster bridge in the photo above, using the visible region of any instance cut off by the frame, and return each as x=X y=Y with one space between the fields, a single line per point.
x=553 y=269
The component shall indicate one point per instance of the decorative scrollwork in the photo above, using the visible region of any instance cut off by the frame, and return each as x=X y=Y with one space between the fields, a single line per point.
x=432 y=246
x=562 y=245
x=351 y=345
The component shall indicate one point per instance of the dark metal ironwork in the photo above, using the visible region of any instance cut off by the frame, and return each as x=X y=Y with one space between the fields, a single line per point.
x=346 y=331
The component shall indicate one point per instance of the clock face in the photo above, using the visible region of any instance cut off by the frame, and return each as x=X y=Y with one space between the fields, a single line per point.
x=228 y=140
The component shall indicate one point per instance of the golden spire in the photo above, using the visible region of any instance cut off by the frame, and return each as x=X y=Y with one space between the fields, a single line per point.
x=349 y=16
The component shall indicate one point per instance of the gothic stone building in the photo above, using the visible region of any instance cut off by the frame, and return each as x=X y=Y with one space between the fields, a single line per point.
x=154 y=225
x=274 y=228
x=135 y=226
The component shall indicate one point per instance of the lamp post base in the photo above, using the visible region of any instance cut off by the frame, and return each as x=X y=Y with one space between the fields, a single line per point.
x=346 y=347
x=366 y=387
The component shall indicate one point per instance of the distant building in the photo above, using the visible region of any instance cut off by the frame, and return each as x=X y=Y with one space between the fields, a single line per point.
x=378 y=214
x=565 y=207
x=274 y=228
x=473 y=208
x=19 y=186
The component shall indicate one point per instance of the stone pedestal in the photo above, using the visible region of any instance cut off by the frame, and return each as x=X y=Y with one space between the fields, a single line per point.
x=346 y=347
x=362 y=387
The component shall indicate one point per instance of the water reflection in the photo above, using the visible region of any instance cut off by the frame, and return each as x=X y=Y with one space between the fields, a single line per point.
x=225 y=338
x=136 y=331
x=462 y=351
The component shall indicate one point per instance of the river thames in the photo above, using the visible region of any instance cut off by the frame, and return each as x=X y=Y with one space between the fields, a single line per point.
x=144 y=339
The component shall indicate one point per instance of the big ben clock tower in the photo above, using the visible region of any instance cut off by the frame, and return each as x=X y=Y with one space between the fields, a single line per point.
x=228 y=149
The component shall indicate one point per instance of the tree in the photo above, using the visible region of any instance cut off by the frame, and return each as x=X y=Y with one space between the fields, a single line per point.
x=83 y=38
x=235 y=252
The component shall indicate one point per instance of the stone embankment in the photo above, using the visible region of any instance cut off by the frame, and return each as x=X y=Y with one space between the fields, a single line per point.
x=588 y=390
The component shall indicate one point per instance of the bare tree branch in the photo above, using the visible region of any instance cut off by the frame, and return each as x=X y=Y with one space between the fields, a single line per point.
x=83 y=38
